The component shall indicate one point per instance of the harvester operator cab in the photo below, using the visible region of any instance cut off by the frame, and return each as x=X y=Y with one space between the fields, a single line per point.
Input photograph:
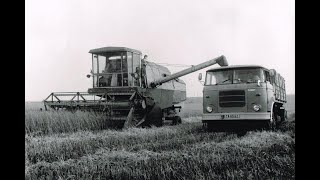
x=116 y=67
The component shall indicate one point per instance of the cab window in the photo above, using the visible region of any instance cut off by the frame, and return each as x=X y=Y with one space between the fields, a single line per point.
x=267 y=76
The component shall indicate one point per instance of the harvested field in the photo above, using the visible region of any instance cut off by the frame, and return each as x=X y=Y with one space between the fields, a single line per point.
x=77 y=146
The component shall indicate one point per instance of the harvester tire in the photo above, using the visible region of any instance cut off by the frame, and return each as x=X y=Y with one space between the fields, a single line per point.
x=176 y=120
x=179 y=120
x=154 y=117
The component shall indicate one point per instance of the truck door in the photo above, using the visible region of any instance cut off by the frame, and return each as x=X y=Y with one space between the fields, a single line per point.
x=269 y=89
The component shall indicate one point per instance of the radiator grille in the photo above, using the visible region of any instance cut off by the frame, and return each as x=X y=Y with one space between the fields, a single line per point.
x=235 y=98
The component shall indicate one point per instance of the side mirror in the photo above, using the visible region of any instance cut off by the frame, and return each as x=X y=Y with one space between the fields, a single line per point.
x=200 y=76
x=88 y=75
x=259 y=83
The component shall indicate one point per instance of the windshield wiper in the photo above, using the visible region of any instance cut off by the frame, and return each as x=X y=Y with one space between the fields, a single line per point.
x=239 y=80
x=223 y=81
x=251 y=81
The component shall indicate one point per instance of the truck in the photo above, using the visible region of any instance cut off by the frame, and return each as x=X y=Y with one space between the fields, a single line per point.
x=243 y=97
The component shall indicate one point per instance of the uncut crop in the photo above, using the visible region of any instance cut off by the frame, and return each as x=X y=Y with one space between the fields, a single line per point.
x=50 y=122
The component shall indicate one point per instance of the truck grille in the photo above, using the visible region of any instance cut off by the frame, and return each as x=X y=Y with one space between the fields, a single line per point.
x=235 y=98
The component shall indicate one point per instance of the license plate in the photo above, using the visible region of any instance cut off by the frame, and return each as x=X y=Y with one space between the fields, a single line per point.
x=230 y=116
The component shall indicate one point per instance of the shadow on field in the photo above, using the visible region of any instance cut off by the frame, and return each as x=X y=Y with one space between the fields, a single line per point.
x=241 y=129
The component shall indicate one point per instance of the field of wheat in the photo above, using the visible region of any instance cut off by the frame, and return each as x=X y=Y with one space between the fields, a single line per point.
x=65 y=145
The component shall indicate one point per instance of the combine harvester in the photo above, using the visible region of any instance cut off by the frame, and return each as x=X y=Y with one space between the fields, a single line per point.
x=131 y=91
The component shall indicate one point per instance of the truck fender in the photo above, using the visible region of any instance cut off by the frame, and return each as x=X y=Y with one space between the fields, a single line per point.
x=272 y=105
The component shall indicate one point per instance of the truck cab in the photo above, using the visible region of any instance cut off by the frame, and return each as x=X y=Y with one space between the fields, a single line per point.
x=243 y=95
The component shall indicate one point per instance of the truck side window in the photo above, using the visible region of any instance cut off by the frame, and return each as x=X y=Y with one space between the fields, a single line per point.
x=267 y=75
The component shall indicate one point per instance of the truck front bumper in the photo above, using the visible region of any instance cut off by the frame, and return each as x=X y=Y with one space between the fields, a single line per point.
x=235 y=116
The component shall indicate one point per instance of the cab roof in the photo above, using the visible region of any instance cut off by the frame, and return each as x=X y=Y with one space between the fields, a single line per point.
x=113 y=49
x=236 y=67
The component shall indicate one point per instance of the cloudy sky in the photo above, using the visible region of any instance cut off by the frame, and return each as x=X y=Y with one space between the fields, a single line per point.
x=60 y=33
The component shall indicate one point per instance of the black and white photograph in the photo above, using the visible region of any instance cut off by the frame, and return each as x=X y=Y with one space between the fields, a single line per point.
x=171 y=89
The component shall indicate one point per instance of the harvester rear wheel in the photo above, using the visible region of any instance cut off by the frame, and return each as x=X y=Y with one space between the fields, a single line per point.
x=176 y=120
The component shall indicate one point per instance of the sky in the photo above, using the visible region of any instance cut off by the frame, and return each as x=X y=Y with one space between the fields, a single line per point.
x=59 y=35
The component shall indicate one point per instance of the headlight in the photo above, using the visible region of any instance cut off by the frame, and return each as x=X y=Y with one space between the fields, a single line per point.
x=256 y=107
x=209 y=109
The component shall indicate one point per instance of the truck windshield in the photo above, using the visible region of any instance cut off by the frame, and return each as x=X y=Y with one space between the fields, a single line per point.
x=115 y=69
x=219 y=77
x=247 y=75
x=234 y=76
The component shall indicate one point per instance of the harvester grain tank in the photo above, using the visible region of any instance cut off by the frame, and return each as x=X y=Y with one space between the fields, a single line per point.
x=131 y=91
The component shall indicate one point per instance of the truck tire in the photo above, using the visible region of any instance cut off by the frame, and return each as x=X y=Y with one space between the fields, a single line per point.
x=211 y=127
x=284 y=116
x=272 y=123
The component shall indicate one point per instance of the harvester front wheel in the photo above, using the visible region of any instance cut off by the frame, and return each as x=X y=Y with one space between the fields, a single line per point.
x=154 y=117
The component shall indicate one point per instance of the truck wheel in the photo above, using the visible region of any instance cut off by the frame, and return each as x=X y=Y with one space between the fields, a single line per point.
x=241 y=133
x=272 y=123
x=211 y=127
x=284 y=116
x=278 y=121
